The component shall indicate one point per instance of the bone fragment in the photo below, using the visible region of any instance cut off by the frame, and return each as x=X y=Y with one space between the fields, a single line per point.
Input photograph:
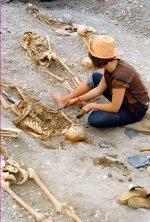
x=68 y=69
x=20 y=92
x=15 y=109
x=36 y=127
x=16 y=87
x=4 y=103
x=61 y=208
x=8 y=177
x=66 y=117
x=9 y=132
x=32 y=134
x=23 y=115
x=52 y=199
x=143 y=149
x=75 y=80
x=62 y=80
x=4 y=152
x=58 y=59
x=39 y=217
x=14 y=167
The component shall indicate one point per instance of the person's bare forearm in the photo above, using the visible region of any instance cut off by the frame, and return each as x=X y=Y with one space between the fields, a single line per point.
x=108 y=107
x=92 y=94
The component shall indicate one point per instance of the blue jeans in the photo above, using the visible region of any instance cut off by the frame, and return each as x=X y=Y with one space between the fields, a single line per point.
x=101 y=119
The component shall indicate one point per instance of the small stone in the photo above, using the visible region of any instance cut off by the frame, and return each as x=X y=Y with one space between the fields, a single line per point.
x=109 y=175
x=125 y=174
x=121 y=180
x=20 y=216
x=148 y=169
x=130 y=179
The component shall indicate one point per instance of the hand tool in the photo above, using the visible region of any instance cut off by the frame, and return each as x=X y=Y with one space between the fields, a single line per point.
x=10 y=98
x=80 y=115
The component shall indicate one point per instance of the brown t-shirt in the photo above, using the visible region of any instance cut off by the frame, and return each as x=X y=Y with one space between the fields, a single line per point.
x=125 y=76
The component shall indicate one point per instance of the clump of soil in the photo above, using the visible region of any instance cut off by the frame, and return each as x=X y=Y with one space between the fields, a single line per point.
x=105 y=162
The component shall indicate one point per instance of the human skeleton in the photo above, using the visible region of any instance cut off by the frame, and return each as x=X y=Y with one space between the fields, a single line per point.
x=12 y=173
x=36 y=119
x=31 y=119
x=39 y=49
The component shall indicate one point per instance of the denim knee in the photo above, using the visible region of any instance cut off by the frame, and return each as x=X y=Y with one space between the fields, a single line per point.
x=94 y=79
x=102 y=119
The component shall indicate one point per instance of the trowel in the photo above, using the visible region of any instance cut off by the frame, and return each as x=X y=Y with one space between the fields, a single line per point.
x=10 y=98
x=139 y=160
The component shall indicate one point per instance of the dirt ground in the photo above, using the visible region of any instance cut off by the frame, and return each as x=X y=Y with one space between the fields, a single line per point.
x=82 y=174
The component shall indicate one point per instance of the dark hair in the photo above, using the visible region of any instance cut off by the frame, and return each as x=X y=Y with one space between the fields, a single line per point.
x=98 y=62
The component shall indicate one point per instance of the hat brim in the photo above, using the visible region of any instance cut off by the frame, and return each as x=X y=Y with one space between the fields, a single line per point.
x=115 y=52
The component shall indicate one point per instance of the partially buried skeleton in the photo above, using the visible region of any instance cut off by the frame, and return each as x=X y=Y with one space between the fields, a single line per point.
x=12 y=173
x=40 y=121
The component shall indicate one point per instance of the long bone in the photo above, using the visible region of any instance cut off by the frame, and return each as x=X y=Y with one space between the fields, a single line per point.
x=74 y=78
x=10 y=132
x=64 y=81
x=67 y=118
x=60 y=207
x=39 y=217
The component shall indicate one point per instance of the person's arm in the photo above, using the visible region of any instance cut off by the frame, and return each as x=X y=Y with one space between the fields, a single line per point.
x=92 y=94
x=97 y=91
x=114 y=106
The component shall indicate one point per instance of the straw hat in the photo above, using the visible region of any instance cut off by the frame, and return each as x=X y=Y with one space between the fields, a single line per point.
x=103 y=46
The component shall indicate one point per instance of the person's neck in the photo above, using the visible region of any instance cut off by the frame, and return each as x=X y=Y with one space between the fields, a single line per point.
x=111 y=66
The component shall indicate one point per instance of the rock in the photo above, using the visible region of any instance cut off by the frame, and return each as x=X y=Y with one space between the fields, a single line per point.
x=125 y=174
x=148 y=170
x=109 y=175
x=130 y=179
x=68 y=18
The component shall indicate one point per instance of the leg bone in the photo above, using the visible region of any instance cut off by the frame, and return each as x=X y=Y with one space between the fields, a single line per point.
x=61 y=208
x=66 y=117
x=39 y=217
x=62 y=80
x=56 y=203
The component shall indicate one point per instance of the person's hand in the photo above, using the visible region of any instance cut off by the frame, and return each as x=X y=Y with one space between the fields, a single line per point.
x=75 y=101
x=87 y=108
x=72 y=102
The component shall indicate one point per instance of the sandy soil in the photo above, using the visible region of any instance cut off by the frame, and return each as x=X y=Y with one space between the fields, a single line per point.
x=74 y=172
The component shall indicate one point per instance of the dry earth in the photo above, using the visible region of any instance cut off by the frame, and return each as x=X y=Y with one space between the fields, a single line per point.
x=73 y=172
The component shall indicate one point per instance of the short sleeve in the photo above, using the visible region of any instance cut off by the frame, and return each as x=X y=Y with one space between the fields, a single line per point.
x=119 y=83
